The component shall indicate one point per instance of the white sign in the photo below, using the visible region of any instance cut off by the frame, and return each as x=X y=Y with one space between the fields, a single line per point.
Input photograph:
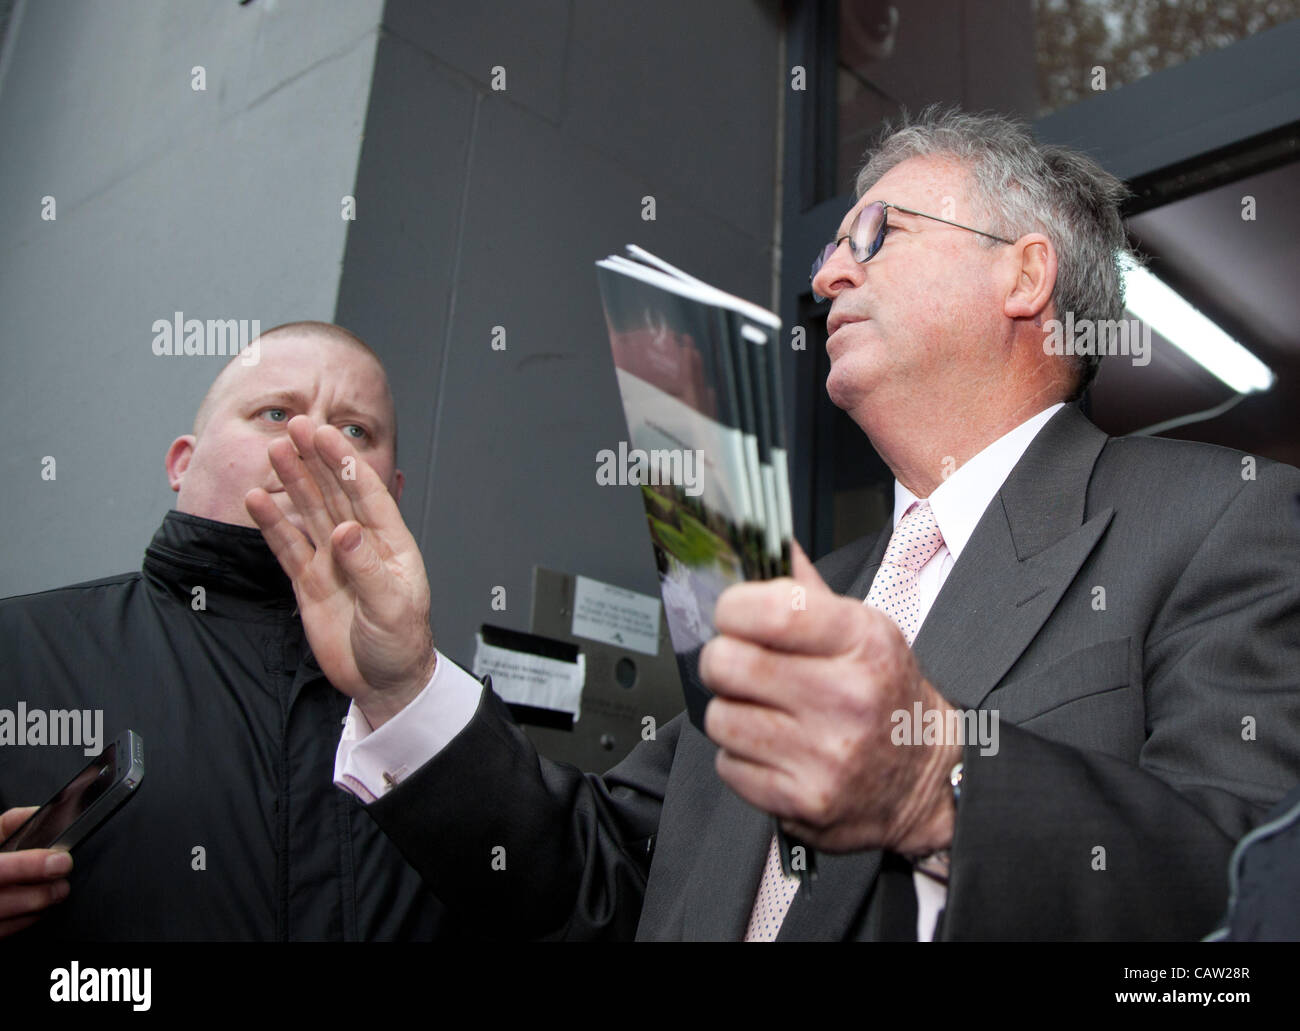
x=527 y=679
x=628 y=619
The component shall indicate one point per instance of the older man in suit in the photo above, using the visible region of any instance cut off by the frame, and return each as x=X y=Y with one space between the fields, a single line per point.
x=1126 y=610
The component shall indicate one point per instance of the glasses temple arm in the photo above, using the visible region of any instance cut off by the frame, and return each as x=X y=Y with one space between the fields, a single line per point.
x=950 y=222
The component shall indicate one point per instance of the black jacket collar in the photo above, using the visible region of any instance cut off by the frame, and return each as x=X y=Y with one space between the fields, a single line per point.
x=189 y=551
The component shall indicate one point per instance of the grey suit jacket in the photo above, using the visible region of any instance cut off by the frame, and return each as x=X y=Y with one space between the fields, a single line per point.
x=1130 y=610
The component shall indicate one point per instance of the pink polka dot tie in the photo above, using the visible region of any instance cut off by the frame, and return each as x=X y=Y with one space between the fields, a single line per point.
x=775 y=893
x=894 y=591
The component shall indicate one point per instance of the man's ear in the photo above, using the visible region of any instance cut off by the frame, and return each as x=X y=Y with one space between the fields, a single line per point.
x=178 y=459
x=399 y=481
x=1035 y=281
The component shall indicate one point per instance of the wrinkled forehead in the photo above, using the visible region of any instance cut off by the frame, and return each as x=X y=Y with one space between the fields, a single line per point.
x=310 y=365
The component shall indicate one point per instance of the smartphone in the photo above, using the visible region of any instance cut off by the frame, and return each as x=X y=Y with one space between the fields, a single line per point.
x=86 y=801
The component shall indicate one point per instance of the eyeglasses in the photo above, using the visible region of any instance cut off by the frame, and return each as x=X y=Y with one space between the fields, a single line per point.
x=867 y=234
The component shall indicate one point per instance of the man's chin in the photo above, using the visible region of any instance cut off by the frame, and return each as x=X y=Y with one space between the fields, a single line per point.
x=852 y=378
x=844 y=390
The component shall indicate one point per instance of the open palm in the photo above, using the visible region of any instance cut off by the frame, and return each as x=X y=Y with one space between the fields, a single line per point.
x=363 y=595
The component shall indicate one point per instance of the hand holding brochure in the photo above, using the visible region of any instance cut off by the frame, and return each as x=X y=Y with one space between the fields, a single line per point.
x=699 y=375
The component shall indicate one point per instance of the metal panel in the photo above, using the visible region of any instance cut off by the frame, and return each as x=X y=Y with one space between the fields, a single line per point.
x=622 y=687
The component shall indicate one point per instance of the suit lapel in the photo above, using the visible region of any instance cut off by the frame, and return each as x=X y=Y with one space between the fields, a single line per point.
x=850 y=570
x=831 y=908
x=1024 y=553
x=721 y=893
x=730 y=858
x=861 y=584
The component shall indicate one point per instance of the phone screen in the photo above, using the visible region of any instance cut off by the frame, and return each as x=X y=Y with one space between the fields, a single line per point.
x=50 y=822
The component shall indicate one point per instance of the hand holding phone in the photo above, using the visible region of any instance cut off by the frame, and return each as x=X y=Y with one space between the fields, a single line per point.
x=30 y=880
x=34 y=842
x=79 y=807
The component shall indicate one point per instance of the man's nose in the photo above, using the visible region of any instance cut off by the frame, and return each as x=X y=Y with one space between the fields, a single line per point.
x=839 y=273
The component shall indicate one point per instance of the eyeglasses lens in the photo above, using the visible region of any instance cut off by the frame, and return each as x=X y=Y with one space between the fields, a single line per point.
x=864 y=238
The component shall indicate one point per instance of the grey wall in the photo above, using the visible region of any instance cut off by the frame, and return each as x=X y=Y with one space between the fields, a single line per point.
x=219 y=204
x=480 y=208
x=475 y=208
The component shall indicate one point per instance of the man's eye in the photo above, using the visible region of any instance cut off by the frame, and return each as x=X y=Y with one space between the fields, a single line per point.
x=355 y=432
x=275 y=414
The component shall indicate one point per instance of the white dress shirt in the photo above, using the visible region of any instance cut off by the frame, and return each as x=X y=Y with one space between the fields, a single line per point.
x=369 y=762
x=958 y=504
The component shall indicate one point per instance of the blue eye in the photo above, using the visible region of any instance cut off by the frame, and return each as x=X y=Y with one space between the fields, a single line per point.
x=360 y=434
x=275 y=414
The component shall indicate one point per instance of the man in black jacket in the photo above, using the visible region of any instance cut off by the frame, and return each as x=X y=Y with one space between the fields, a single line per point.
x=237 y=833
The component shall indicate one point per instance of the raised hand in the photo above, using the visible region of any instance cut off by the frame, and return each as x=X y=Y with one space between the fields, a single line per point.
x=363 y=595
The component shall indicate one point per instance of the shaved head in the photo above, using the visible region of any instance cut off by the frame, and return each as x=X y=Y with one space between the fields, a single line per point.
x=305 y=328
x=301 y=368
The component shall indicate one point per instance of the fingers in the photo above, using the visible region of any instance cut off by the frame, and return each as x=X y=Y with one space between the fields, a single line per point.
x=744 y=671
x=788 y=616
x=22 y=899
x=324 y=476
x=31 y=881
x=368 y=498
x=33 y=866
x=392 y=642
x=748 y=731
x=762 y=786
x=330 y=484
x=8 y=927
x=300 y=483
x=799 y=615
x=21 y=905
x=365 y=570
x=12 y=819
x=801 y=566
x=285 y=540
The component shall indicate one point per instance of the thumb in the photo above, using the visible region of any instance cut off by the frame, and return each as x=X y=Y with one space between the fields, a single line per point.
x=802 y=569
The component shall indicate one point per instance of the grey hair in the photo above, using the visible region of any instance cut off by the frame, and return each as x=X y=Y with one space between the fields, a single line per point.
x=1019 y=186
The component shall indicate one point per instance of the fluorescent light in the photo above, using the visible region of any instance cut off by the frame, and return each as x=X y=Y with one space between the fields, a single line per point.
x=1169 y=314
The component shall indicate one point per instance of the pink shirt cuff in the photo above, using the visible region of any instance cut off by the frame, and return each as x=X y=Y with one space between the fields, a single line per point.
x=370 y=762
